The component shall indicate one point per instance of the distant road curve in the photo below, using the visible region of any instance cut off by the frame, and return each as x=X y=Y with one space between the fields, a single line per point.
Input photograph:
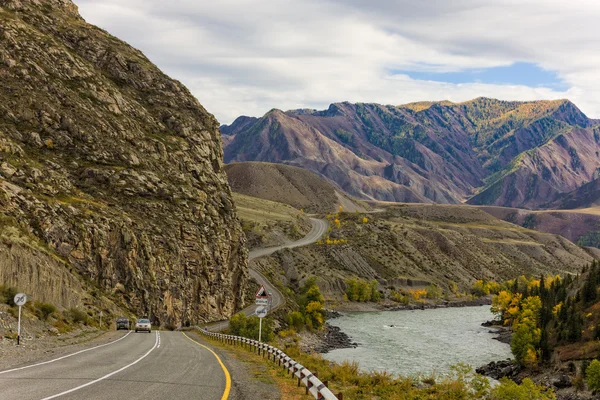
x=319 y=228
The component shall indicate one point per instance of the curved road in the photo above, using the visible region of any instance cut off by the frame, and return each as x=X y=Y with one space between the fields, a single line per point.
x=319 y=228
x=160 y=365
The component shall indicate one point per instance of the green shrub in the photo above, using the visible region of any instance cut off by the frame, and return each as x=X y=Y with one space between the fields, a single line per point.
x=44 y=310
x=78 y=316
x=312 y=301
x=527 y=390
x=359 y=290
x=592 y=376
x=433 y=292
x=241 y=325
x=7 y=294
x=296 y=320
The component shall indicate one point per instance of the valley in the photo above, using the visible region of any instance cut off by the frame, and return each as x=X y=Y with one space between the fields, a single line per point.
x=122 y=196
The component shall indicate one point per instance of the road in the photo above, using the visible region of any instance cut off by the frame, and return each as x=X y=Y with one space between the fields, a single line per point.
x=159 y=365
x=319 y=228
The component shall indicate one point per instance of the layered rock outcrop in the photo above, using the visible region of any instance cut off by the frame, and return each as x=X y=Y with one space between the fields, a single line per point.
x=112 y=168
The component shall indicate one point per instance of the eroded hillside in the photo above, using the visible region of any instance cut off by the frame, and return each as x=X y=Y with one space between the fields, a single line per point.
x=111 y=175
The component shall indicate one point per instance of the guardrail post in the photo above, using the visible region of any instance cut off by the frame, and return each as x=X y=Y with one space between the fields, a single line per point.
x=309 y=383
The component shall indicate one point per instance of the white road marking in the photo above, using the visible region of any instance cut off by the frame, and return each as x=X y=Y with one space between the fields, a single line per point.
x=158 y=333
x=107 y=375
x=63 y=357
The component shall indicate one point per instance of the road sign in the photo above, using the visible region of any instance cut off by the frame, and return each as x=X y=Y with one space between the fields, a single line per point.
x=261 y=311
x=261 y=301
x=20 y=299
x=262 y=293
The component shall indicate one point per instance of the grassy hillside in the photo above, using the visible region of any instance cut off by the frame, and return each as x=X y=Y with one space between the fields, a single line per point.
x=268 y=223
x=285 y=184
x=418 y=245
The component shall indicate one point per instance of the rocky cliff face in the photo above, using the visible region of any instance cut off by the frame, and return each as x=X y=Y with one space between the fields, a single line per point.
x=520 y=154
x=113 y=169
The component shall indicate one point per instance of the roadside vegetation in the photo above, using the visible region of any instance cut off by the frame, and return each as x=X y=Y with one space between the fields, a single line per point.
x=346 y=378
x=59 y=321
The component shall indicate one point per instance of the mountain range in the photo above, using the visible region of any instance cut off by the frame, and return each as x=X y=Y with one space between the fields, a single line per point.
x=483 y=151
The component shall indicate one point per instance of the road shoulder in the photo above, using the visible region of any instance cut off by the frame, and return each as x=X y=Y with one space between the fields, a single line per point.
x=250 y=376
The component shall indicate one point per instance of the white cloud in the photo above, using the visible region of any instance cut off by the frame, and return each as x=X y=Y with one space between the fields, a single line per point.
x=248 y=56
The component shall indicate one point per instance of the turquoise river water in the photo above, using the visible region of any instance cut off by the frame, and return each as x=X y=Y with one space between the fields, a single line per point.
x=420 y=341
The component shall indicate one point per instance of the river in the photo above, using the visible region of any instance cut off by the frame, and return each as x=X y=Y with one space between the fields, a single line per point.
x=420 y=341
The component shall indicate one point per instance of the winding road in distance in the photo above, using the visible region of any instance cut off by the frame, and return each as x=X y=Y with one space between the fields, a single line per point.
x=319 y=228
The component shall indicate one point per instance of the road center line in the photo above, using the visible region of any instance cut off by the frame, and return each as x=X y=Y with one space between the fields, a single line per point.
x=227 y=376
x=105 y=376
x=63 y=357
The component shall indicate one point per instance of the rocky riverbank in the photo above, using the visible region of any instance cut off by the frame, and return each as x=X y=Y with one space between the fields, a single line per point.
x=324 y=341
x=393 y=306
x=504 y=333
x=482 y=301
x=328 y=339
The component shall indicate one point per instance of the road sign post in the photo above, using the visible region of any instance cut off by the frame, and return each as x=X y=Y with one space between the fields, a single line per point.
x=262 y=301
x=20 y=300
x=261 y=312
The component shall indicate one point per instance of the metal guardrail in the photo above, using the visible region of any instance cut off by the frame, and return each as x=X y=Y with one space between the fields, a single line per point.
x=314 y=386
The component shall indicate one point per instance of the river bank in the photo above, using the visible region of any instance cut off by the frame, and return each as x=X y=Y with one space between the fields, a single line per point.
x=393 y=306
x=412 y=342
x=333 y=338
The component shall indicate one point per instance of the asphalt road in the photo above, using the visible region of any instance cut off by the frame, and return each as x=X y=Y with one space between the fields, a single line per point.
x=159 y=365
x=319 y=228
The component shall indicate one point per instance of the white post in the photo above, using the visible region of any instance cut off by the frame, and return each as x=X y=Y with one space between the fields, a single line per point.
x=19 y=327
x=100 y=319
x=259 y=329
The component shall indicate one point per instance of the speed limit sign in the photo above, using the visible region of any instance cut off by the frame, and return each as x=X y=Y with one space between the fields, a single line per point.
x=20 y=300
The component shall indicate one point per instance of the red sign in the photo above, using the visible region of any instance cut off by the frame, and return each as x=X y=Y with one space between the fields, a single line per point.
x=262 y=292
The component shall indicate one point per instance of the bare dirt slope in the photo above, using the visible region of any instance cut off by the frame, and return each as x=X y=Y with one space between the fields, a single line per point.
x=297 y=187
x=581 y=226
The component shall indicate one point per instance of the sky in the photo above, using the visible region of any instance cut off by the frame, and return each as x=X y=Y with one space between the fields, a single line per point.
x=245 y=57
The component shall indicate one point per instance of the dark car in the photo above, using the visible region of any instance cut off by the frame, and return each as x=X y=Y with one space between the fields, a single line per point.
x=122 y=323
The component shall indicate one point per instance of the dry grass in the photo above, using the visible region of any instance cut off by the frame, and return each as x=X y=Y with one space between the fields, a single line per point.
x=263 y=211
